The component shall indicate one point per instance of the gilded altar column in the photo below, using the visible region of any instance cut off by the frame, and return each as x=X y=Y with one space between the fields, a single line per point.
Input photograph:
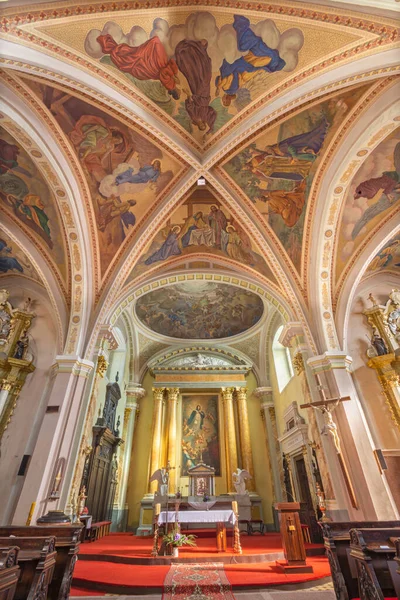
x=244 y=435
x=133 y=394
x=158 y=396
x=172 y=394
x=230 y=436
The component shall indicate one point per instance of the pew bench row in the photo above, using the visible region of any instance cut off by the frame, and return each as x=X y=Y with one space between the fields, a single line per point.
x=37 y=562
x=364 y=558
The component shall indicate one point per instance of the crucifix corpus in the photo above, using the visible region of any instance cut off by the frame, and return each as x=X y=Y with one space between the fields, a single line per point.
x=326 y=406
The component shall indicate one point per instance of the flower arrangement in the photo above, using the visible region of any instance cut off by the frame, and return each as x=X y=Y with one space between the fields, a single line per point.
x=176 y=539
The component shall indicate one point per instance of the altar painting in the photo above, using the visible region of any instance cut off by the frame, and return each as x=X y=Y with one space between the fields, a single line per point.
x=200 y=438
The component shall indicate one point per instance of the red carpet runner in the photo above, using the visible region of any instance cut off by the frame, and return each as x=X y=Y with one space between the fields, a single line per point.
x=205 y=581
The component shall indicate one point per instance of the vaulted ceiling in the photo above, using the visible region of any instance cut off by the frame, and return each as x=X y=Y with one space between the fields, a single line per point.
x=112 y=113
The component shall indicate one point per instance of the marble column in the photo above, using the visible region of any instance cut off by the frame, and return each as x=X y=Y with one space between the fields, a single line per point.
x=244 y=435
x=273 y=448
x=172 y=395
x=373 y=496
x=155 y=455
x=133 y=394
x=230 y=436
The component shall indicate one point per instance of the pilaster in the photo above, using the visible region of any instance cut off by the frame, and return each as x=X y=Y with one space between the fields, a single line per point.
x=265 y=395
x=374 y=499
x=53 y=455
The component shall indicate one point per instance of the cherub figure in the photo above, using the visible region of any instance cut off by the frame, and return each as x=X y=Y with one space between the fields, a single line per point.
x=239 y=481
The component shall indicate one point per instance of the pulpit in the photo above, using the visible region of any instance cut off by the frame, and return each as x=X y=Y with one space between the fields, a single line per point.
x=292 y=539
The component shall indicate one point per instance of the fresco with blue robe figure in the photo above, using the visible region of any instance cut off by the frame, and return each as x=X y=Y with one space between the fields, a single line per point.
x=26 y=197
x=277 y=170
x=202 y=225
x=200 y=435
x=14 y=261
x=203 y=69
x=388 y=257
x=126 y=173
x=373 y=192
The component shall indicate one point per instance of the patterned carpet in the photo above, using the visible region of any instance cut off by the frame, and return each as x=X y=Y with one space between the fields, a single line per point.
x=202 y=581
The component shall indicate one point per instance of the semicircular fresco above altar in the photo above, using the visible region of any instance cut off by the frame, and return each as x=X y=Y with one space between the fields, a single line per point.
x=27 y=199
x=127 y=173
x=203 y=68
x=276 y=170
x=373 y=194
x=199 y=310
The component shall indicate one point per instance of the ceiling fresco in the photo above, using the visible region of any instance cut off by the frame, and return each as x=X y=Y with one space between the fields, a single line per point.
x=28 y=200
x=126 y=172
x=14 y=261
x=387 y=259
x=201 y=69
x=202 y=225
x=372 y=195
x=199 y=310
x=276 y=171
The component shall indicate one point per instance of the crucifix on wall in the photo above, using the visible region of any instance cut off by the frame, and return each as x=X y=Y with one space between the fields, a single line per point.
x=326 y=406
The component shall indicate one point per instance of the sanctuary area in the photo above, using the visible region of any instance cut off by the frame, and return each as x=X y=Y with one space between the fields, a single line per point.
x=200 y=299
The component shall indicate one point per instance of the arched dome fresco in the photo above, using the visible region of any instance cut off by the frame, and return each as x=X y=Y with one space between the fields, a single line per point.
x=199 y=310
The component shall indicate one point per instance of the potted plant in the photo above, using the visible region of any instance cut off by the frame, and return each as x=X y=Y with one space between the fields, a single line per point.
x=175 y=539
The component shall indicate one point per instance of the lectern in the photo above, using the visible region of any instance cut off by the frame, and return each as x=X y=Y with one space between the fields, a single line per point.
x=292 y=539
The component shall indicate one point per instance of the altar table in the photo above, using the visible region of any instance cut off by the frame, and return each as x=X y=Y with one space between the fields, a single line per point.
x=219 y=517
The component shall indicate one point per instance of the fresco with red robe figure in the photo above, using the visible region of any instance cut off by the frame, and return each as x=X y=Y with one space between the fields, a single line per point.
x=25 y=195
x=277 y=170
x=373 y=192
x=125 y=172
x=202 y=225
x=202 y=72
x=200 y=436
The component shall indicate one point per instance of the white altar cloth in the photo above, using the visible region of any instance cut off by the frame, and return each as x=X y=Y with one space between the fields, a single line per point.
x=198 y=516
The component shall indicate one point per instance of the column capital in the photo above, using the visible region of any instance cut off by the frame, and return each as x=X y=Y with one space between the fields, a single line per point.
x=330 y=361
x=172 y=394
x=75 y=365
x=227 y=393
x=267 y=405
x=241 y=393
x=290 y=332
x=264 y=393
x=158 y=393
x=107 y=333
x=134 y=391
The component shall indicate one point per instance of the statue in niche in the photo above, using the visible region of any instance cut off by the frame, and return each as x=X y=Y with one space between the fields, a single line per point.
x=21 y=347
x=113 y=394
x=239 y=481
x=391 y=313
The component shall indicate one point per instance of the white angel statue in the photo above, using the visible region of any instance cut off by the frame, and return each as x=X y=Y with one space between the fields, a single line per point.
x=161 y=476
x=239 y=481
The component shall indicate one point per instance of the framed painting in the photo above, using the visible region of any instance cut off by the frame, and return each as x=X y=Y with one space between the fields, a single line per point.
x=200 y=432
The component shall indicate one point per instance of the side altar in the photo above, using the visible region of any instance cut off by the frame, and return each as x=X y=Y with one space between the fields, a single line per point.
x=201 y=430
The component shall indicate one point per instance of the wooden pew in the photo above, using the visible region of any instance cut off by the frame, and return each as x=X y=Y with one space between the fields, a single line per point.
x=67 y=547
x=36 y=559
x=337 y=546
x=9 y=572
x=397 y=558
x=99 y=530
x=374 y=552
